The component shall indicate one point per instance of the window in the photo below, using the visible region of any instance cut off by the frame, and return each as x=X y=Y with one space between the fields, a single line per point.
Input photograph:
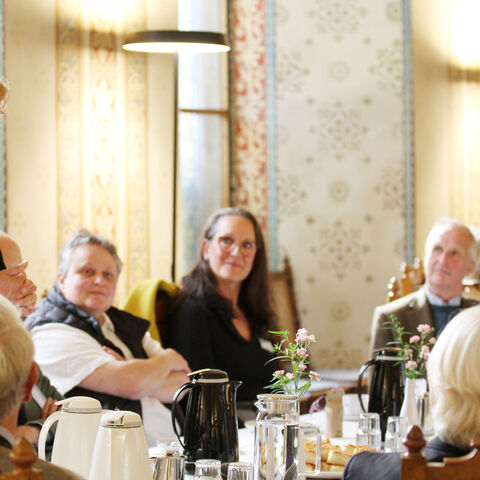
x=203 y=131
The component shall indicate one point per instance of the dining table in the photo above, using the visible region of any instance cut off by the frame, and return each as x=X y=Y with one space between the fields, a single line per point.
x=350 y=424
x=246 y=439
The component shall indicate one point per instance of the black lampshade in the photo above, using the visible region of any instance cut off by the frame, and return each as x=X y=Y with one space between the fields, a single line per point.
x=171 y=41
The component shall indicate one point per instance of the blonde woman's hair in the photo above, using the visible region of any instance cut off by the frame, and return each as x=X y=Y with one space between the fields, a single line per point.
x=454 y=379
x=16 y=357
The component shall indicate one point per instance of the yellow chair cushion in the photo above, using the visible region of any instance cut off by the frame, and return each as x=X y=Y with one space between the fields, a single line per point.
x=141 y=301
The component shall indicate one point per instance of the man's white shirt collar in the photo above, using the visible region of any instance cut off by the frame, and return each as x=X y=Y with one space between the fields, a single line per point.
x=7 y=435
x=434 y=300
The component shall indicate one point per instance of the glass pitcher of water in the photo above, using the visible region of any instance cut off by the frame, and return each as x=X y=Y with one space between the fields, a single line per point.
x=279 y=439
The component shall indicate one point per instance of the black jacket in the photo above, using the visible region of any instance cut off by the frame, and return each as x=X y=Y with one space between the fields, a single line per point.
x=203 y=332
x=130 y=329
x=387 y=466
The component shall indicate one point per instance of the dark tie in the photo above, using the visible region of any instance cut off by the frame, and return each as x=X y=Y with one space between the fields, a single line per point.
x=22 y=416
x=442 y=314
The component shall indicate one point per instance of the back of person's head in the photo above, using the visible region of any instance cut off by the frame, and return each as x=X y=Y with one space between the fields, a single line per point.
x=444 y=224
x=16 y=357
x=85 y=237
x=454 y=379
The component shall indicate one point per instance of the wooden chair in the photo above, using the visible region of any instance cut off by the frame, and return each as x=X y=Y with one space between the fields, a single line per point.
x=416 y=467
x=284 y=300
x=411 y=278
x=22 y=457
x=471 y=288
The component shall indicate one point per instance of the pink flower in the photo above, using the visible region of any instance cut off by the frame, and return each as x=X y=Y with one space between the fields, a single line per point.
x=408 y=351
x=279 y=372
x=425 y=352
x=302 y=352
x=414 y=339
x=411 y=365
x=424 y=328
x=302 y=335
x=302 y=366
x=312 y=338
x=433 y=340
x=314 y=375
x=290 y=376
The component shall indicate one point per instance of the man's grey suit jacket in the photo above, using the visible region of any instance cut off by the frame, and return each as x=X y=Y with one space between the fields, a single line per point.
x=411 y=311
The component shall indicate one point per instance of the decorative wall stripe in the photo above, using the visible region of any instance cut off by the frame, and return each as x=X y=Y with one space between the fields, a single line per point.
x=69 y=123
x=104 y=95
x=137 y=154
x=408 y=135
x=271 y=133
x=3 y=179
x=250 y=172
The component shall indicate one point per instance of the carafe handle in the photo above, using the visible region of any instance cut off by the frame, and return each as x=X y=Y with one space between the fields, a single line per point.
x=49 y=421
x=360 y=378
x=318 y=457
x=174 y=405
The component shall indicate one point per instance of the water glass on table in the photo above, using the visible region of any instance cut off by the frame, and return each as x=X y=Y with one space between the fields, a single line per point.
x=208 y=469
x=240 y=471
x=368 y=432
x=395 y=435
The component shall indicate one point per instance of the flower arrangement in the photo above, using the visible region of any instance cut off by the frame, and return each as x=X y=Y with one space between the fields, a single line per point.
x=415 y=349
x=296 y=354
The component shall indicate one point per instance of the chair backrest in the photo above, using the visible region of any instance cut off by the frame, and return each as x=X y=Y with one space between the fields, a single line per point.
x=411 y=278
x=416 y=467
x=22 y=457
x=284 y=300
x=150 y=299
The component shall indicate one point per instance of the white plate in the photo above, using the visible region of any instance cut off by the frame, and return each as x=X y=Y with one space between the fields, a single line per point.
x=325 y=475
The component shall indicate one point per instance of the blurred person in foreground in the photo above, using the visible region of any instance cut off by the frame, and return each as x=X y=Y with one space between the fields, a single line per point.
x=42 y=401
x=18 y=374
x=454 y=379
x=450 y=254
x=222 y=314
x=21 y=291
x=14 y=283
x=88 y=347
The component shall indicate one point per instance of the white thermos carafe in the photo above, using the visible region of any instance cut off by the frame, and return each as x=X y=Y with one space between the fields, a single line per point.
x=77 y=427
x=121 y=451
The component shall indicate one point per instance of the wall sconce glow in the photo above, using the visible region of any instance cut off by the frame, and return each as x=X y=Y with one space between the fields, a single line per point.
x=171 y=41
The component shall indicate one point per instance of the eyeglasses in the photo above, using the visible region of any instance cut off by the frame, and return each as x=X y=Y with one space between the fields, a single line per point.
x=228 y=244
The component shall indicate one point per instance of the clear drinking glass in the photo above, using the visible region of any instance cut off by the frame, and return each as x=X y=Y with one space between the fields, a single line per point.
x=207 y=469
x=368 y=432
x=240 y=471
x=395 y=434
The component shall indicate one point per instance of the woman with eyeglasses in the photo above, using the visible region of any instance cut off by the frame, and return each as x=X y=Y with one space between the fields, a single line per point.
x=222 y=315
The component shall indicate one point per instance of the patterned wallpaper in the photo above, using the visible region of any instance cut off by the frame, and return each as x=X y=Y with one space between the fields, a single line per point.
x=341 y=206
x=339 y=165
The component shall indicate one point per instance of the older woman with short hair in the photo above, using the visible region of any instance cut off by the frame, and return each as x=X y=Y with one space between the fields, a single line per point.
x=88 y=347
x=222 y=315
x=454 y=381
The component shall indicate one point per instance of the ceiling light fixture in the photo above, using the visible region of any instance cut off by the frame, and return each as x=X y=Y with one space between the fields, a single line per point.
x=172 y=41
